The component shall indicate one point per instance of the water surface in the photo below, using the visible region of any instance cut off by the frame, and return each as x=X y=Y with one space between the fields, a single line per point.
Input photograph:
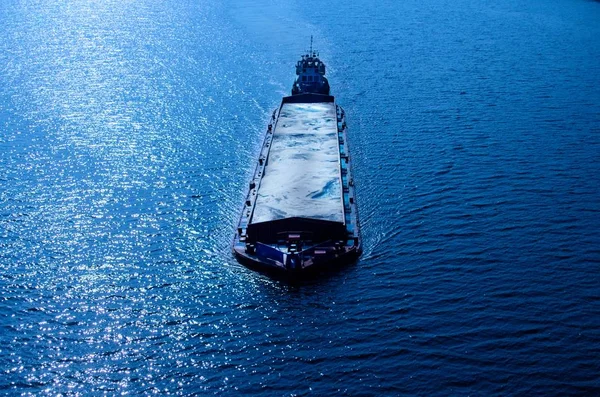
x=128 y=133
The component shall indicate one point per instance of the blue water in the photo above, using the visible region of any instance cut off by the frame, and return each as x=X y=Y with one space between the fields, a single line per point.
x=128 y=133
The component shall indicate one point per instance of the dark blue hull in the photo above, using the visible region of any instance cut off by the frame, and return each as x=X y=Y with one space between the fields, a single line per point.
x=264 y=265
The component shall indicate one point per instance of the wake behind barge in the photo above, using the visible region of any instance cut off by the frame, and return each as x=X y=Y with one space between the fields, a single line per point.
x=300 y=212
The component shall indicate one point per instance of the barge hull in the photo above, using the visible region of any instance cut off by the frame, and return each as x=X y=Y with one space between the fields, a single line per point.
x=275 y=233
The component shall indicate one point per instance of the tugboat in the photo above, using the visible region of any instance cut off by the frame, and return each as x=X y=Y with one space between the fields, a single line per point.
x=300 y=212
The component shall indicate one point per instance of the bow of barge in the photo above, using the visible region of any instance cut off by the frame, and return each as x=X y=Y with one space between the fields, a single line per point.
x=300 y=212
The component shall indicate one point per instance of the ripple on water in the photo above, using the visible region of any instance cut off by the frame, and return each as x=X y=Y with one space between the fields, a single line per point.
x=128 y=137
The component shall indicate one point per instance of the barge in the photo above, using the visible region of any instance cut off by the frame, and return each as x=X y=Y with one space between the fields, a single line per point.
x=300 y=211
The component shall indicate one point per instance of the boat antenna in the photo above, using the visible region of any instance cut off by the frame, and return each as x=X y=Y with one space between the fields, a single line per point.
x=311 y=44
